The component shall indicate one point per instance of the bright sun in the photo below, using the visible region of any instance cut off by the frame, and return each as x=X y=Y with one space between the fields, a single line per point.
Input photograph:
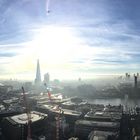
x=54 y=44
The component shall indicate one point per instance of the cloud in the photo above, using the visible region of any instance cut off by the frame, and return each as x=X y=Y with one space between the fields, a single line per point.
x=7 y=54
x=106 y=35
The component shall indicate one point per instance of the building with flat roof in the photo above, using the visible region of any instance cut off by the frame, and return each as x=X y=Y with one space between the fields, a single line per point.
x=84 y=127
x=15 y=127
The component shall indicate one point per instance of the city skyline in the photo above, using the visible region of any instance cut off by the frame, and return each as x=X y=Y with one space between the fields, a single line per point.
x=76 y=39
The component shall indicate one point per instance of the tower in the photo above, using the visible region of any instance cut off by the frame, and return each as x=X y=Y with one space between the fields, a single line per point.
x=38 y=75
x=135 y=80
x=47 y=78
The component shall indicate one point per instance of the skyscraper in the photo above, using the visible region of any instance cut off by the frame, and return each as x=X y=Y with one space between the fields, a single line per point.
x=38 y=75
x=47 y=78
x=135 y=80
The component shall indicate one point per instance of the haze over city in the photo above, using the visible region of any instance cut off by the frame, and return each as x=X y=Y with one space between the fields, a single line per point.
x=71 y=38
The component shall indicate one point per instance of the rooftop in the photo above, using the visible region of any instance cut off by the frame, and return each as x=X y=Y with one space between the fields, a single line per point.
x=23 y=119
x=98 y=124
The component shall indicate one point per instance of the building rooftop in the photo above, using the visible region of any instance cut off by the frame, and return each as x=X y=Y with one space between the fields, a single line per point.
x=10 y=101
x=60 y=110
x=104 y=115
x=23 y=119
x=102 y=135
x=1 y=84
x=98 y=124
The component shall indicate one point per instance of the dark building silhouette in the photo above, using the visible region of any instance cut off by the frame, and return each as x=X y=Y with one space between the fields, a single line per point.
x=135 y=81
x=16 y=128
x=38 y=75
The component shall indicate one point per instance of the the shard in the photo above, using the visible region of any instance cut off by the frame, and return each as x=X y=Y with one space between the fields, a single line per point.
x=38 y=75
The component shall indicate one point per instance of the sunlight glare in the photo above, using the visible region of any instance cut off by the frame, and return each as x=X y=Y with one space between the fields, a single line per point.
x=54 y=44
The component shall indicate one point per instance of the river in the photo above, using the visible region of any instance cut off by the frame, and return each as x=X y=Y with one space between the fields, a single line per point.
x=116 y=101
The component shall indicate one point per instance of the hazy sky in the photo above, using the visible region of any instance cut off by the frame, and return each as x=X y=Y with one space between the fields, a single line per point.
x=77 y=38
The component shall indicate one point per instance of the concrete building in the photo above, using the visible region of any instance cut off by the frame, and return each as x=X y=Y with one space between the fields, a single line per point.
x=16 y=127
x=47 y=79
x=5 y=88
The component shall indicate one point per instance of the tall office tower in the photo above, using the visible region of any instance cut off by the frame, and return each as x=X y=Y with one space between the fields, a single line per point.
x=38 y=75
x=135 y=81
x=47 y=78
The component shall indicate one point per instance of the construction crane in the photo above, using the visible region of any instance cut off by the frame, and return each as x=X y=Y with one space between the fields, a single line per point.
x=57 y=108
x=28 y=115
x=48 y=91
